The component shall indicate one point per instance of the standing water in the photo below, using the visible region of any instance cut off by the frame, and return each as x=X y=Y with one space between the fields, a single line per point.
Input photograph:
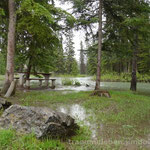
x=81 y=116
x=141 y=87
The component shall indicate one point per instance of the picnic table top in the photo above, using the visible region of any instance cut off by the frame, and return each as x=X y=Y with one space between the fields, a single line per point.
x=42 y=73
x=39 y=79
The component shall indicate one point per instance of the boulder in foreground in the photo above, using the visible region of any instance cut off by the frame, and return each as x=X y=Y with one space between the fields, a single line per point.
x=42 y=121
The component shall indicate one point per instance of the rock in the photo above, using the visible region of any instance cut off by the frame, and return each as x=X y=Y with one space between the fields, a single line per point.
x=43 y=121
x=87 y=85
x=4 y=104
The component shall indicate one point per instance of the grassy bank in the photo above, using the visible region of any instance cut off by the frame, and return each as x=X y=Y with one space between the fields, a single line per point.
x=123 y=77
x=112 y=77
x=123 y=117
x=69 y=75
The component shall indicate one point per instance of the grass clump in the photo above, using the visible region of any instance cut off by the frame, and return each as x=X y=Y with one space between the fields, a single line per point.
x=67 y=81
x=10 y=140
x=77 y=83
x=70 y=82
x=6 y=138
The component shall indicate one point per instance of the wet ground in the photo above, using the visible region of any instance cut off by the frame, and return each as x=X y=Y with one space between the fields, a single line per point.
x=81 y=115
x=77 y=111
x=141 y=87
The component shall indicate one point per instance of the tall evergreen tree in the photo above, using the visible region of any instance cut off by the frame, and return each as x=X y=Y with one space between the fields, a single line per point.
x=71 y=64
x=97 y=86
x=36 y=38
x=82 y=60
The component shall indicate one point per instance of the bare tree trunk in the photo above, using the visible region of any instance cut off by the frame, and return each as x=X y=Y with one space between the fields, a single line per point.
x=11 y=91
x=28 y=70
x=9 y=76
x=134 y=66
x=97 y=86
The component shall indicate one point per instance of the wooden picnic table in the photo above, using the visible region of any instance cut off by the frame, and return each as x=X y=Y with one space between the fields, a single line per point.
x=46 y=76
x=40 y=82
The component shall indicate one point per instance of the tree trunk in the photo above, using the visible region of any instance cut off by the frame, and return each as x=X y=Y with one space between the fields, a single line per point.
x=12 y=89
x=82 y=64
x=97 y=86
x=29 y=69
x=9 y=76
x=134 y=66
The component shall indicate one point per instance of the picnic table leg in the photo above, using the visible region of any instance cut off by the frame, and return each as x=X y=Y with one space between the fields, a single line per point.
x=53 y=84
x=40 y=83
x=46 y=80
x=28 y=84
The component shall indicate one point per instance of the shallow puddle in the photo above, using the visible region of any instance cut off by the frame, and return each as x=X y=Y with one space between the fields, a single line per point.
x=81 y=116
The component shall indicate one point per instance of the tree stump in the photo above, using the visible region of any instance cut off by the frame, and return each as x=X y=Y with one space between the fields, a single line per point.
x=101 y=93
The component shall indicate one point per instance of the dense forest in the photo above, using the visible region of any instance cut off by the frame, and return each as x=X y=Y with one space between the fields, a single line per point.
x=53 y=99
x=121 y=44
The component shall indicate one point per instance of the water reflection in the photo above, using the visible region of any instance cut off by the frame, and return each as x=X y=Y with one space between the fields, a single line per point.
x=81 y=116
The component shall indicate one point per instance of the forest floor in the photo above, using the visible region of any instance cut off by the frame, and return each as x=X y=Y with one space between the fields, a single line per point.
x=105 y=123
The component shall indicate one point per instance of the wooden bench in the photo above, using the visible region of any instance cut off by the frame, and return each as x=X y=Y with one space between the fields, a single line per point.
x=22 y=78
x=40 y=82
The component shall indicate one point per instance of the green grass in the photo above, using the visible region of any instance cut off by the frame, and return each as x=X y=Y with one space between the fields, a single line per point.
x=47 y=98
x=124 y=116
x=10 y=140
x=68 y=75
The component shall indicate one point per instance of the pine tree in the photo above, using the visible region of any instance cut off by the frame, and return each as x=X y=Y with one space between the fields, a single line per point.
x=71 y=64
x=97 y=86
x=82 y=60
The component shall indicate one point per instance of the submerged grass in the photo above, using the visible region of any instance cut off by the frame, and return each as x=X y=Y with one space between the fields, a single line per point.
x=69 y=82
x=124 y=116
